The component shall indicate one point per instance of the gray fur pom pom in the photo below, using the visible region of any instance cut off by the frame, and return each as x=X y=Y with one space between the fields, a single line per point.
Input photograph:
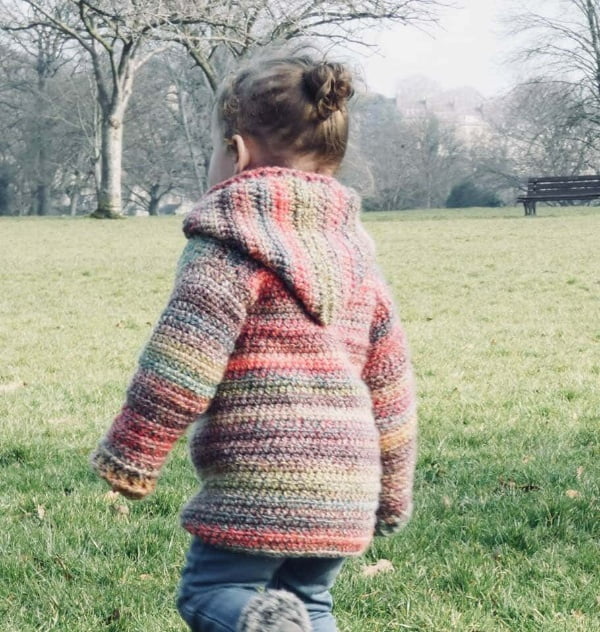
x=274 y=611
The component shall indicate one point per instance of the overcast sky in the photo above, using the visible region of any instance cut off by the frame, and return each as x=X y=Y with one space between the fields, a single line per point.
x=468 y=47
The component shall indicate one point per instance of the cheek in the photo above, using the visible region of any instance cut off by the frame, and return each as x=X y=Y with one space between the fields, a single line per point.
x=222 y=166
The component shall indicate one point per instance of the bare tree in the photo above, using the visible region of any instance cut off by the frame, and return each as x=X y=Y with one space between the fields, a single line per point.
x=562 y=43
x=36 y=128
x=438 y=158
x=239 y=26
x=39 y=55
x=538 y=128
x=412 y=162
x=118 y=38
x=378 y=161
x=166 y=136
x=192 y=100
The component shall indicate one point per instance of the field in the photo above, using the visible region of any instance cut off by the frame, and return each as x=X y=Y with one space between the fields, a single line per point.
x=503 y=315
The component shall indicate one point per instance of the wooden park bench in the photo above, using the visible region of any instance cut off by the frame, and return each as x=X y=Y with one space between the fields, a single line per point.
x=559 y=189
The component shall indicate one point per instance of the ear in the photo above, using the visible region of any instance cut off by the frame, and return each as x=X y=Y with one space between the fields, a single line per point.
x=242 y=153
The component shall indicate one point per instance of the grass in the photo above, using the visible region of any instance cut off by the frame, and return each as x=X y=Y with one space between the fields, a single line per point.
x=502 y=314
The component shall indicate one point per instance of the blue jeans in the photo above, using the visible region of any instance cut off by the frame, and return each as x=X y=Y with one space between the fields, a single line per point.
x=216 y=584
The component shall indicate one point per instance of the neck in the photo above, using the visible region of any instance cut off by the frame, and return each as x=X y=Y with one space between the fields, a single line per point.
x=259 y=156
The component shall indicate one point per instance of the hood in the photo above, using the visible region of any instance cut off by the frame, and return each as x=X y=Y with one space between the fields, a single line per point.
x=303 y=226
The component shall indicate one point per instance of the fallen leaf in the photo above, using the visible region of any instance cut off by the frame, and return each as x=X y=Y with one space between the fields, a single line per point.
x=527 y=458
x=573 y=493
x=447 y=502
x=382 y=566
x=579 y=472
x=122 y=510
x=145 y=576
x=578 y=614
x=41 y=512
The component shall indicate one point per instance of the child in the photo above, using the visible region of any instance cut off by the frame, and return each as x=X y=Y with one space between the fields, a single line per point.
x=282 y=335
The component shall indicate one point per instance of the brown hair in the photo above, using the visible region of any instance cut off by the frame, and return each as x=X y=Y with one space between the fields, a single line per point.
x=291 y=106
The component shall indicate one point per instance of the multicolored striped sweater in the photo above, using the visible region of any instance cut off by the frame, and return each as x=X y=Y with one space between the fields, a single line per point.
x=281 y=341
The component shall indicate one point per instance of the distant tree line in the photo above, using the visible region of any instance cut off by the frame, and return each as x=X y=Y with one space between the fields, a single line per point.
x=537 y=128
x=547 y=125
x=92 y=69
x=105 y=107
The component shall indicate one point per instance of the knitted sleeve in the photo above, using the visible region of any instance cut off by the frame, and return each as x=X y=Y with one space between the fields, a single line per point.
x=389 y=375
x=180 y=367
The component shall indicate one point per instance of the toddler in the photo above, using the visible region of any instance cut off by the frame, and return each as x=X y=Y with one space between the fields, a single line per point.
x=280 y=338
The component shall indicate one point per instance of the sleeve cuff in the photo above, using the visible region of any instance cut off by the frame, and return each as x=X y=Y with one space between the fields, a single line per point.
x=124 y=478
x=388 y=524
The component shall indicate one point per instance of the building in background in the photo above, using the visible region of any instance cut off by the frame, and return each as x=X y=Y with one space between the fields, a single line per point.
x=464 y=109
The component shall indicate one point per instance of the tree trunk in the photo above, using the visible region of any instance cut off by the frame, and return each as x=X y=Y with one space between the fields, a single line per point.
x=42 y=203
x=74 y=201
x=428 y=190
x=154 y=200
x=109 y=191
x=592 y=18
x=97 y=157
x=200 y=177
x=42 y=200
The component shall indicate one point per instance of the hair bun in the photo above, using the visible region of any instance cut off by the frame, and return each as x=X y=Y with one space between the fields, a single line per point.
x=330 y=86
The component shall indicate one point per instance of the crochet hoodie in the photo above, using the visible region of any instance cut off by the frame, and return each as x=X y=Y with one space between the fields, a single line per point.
x=281 y=340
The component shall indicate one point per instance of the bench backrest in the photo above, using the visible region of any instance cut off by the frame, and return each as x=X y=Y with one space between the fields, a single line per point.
x=563 y=184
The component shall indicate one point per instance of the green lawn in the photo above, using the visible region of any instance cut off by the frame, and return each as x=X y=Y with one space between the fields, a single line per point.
x=503 y=316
